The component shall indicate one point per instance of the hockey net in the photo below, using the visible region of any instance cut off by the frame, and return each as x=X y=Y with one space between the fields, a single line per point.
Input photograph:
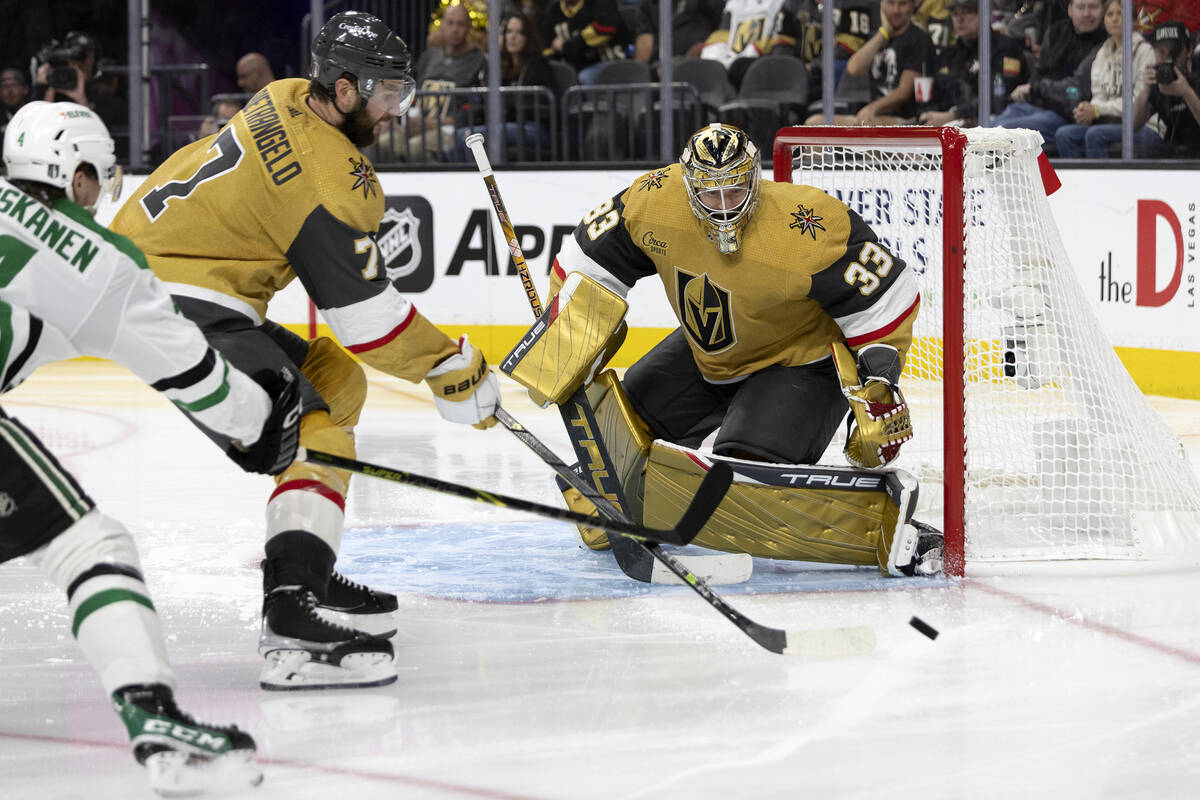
x=1032 y=441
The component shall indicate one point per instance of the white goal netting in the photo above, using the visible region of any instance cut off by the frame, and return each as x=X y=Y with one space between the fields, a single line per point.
x=1063 y=457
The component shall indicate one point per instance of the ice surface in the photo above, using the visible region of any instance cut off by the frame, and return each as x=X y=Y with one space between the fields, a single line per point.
x=530 y=668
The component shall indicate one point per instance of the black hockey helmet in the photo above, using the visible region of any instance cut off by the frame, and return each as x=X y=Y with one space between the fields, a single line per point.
x=363 y=45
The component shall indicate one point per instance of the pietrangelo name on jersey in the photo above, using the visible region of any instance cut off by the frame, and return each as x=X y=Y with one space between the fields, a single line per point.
x=51 y=230
x=270 y=139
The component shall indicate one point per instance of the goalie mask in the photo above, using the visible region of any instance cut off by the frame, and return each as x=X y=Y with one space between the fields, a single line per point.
x=47 y=142
x=364 y=46
x=721 y=169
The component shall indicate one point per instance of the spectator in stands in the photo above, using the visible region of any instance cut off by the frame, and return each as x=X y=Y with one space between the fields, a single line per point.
x=956 y=77
x=752 y=28
x=456 y=64
x=253 y=73
x=224 y=106
x=1176 y=102
x=933 y=17
x=477 y=15
x=853 y=23
x=14 y=93
x=88 y=90
x=586 y=34
x=691 y=23
x=1098 y=121
x=521 y=64
x=1061 y=74
x=894 y=57
x=532 y=10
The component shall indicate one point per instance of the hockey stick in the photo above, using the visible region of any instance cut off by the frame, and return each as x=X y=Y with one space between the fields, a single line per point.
x=829 y=642
x=577 y=415
x=705 y=502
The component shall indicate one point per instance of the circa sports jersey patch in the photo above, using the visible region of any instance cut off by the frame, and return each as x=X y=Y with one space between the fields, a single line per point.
x=364 y=176
x=807 y=221
x=704 y=310
x=653 y=180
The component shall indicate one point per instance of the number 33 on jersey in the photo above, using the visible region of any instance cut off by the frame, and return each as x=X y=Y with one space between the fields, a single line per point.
x=810 y=272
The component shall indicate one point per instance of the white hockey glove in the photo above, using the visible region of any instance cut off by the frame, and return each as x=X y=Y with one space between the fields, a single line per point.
x=464 y=389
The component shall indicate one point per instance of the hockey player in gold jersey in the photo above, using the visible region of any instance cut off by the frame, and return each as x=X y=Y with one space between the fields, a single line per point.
x=791 y=311
x=282 y=192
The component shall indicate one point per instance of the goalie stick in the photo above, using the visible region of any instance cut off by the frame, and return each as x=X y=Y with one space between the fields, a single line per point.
x=826 y=642
x=708 y=497
x=635 y=561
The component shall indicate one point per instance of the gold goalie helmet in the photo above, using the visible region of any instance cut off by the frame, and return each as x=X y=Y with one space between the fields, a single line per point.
x=721 y=169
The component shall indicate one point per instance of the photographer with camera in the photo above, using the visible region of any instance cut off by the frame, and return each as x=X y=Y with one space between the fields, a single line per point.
x=1174 y=93
x=67 y=73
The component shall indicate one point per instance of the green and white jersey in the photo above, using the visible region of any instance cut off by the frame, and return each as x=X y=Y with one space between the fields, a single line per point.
x=70 y=287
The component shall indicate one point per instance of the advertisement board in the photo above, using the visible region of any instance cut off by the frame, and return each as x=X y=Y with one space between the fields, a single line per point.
x=1131 y=236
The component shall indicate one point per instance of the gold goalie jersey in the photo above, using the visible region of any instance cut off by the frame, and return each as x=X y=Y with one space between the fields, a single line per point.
x=278 y=194
x=809 y=272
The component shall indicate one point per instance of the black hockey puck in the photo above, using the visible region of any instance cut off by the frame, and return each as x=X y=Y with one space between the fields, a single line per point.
x=924 y=627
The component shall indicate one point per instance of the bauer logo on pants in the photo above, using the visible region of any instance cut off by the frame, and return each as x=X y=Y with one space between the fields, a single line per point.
x=405 y=242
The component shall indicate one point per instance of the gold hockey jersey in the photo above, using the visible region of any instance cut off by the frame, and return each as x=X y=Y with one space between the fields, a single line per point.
x=278 y=194
x=809 y=272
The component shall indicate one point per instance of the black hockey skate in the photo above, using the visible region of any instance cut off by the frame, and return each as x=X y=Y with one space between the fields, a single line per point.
x=183 y=757
x=304 y=650
x=359 y=607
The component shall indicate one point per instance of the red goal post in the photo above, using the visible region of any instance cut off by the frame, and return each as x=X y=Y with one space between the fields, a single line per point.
x=1033 y=444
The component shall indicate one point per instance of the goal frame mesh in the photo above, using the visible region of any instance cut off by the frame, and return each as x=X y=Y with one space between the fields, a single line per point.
x=1163 y=524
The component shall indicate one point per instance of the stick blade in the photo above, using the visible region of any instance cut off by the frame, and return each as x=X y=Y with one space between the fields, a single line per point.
x=714 y=570
x=708 y=496
x=830 y=642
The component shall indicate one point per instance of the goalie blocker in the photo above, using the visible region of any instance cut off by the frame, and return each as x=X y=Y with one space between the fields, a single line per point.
x=577 y=334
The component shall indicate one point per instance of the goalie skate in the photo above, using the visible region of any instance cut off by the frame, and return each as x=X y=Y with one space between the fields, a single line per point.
x=303 y=650
x=183 y=757
x=353 y=605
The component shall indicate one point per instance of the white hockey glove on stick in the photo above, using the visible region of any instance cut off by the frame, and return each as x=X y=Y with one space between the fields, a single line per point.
x=879 y=421
x=464 y=389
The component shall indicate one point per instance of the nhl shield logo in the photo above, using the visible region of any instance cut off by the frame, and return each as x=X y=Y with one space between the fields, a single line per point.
x=399 y=242
x=8 y=506
x=704 y=310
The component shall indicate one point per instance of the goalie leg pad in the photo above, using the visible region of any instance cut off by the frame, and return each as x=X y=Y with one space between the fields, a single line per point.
x=569 y=342
x=627 y=439
x=832 y=515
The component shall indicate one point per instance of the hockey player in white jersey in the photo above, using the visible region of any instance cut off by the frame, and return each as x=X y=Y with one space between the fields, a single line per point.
x=69 y=287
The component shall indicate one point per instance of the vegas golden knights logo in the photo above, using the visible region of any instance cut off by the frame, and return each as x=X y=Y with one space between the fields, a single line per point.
x=716 y=147
x=704 y=308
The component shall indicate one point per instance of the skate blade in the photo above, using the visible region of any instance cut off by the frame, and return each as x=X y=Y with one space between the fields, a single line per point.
x=293 y=670
x=174 y=773
x=382 y=625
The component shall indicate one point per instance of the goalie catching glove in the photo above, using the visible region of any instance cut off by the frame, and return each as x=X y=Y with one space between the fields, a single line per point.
x=464 y=389
x=579 y=332
x=879 y=421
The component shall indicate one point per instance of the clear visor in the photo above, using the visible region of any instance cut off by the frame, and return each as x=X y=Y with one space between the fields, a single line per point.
x=392 y=96
x=722 y=198
x=112 y=183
